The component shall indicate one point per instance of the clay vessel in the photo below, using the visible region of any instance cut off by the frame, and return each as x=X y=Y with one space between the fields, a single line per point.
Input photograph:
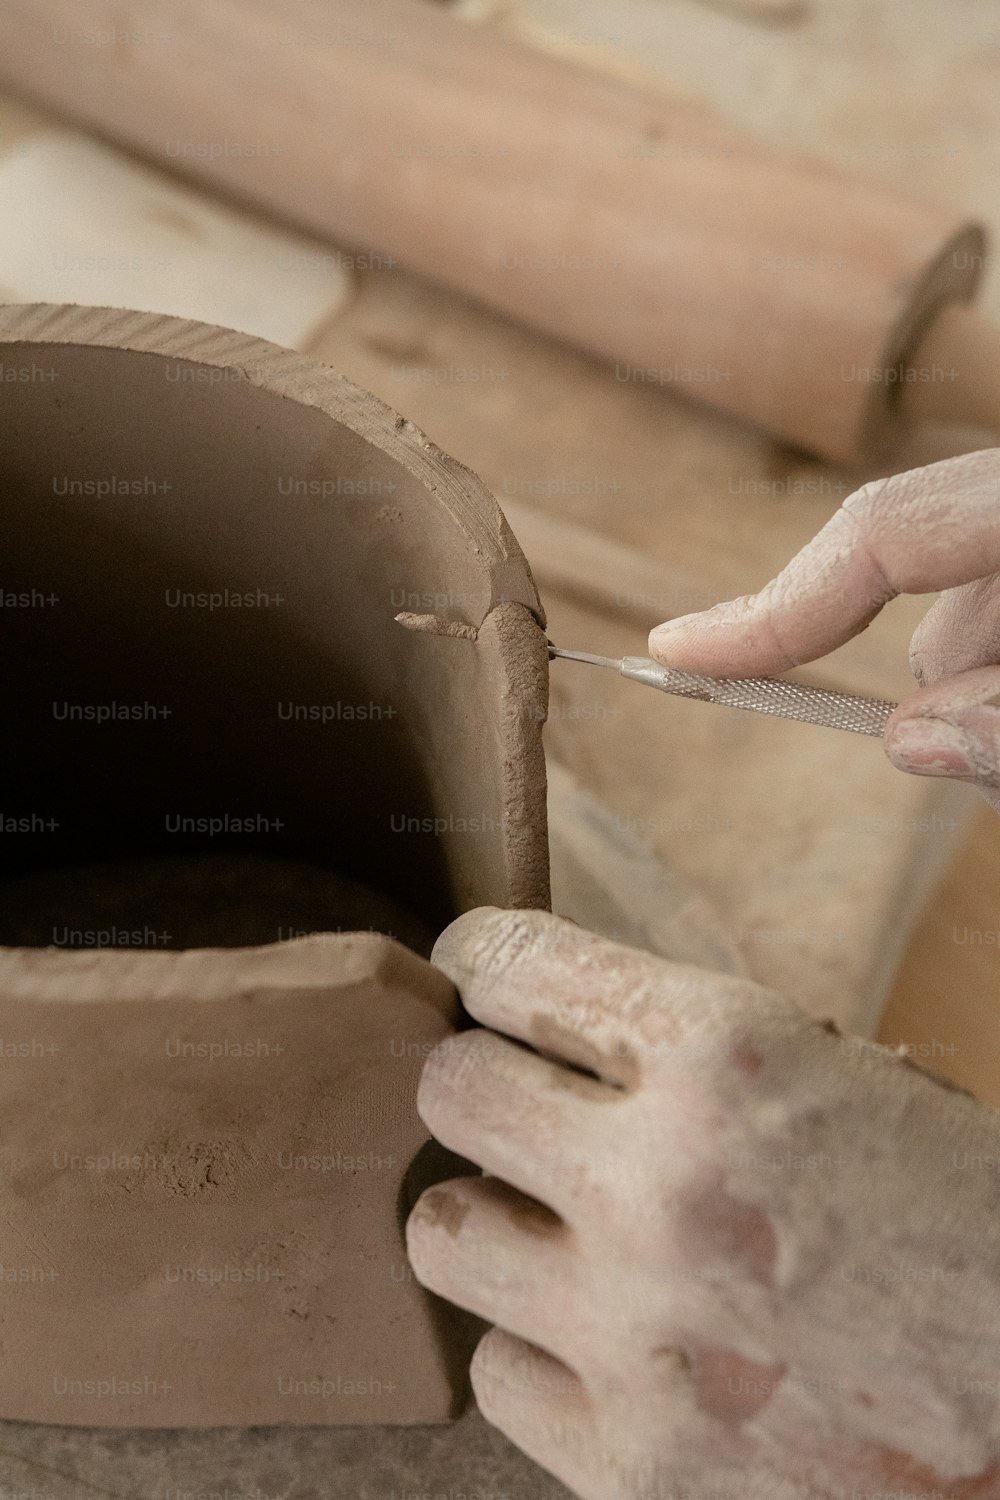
x=224 y=757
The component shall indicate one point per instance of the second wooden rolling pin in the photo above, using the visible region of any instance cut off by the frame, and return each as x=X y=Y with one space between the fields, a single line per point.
x=629 y=223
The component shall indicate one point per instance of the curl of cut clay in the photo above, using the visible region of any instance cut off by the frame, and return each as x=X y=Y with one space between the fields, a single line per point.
x=435 y=625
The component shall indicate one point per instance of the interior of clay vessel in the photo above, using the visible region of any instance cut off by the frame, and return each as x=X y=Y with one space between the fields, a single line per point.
x=209 y=674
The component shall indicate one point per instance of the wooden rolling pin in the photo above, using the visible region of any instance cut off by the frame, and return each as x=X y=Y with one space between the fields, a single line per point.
x=633 y=224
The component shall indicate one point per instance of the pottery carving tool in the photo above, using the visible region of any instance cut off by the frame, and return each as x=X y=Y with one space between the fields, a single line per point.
x=608 y=213
x=762 y=695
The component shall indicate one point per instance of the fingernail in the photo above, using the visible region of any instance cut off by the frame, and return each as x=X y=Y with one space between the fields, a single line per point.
x=931 y=747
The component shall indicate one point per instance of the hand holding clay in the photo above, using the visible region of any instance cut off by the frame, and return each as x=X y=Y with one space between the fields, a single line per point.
x=932 y=528
x=727 y=1251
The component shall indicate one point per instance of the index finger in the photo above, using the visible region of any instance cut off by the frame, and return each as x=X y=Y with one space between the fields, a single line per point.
x=928 y=529
x=581 y=999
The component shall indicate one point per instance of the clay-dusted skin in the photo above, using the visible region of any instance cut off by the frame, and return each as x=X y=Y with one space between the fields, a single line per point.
x=726 y=1251
x=202 y=1163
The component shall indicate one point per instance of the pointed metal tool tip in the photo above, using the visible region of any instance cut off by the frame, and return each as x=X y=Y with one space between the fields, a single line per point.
x=597 y=661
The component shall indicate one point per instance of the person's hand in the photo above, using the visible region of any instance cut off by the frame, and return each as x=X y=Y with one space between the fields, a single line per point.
x=932 y=528
x=727 y=1252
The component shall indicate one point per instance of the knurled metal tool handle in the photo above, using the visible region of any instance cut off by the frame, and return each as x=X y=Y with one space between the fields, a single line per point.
x=767 y=695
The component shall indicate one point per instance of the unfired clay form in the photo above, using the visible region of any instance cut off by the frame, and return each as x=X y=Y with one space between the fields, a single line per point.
x=160 y=467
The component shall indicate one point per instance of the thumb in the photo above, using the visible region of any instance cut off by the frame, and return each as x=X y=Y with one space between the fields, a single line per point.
x=951 y=728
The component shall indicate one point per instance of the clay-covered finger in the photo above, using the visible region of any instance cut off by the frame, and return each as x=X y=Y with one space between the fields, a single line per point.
x=960 y=632
x=599 y=1006
x=499 y=1254
x=932 y=528
x=951 y=728
x=541 y=1405
x=538 y=1126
